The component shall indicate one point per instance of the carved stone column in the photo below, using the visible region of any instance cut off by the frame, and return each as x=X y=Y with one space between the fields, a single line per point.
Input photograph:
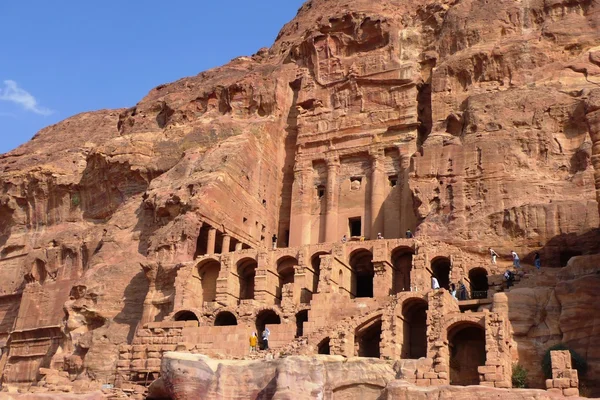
x=212 y=238
x=331 y=210
x=226 y=244
x=377 y=192
x=300 y=214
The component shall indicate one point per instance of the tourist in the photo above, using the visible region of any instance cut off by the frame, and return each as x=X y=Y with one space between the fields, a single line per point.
x=344 y=239
x=274 y=239
x=462 y=291
x=434 y=283
x=516 y=260
x=379 y=236
x=509 y=277
x=493 y=254
x=453 y=290
x=537 y=261
x=265 y=338
x=409 y=234
x=253 y=342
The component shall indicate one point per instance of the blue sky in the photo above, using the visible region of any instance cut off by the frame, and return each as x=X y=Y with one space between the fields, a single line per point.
x=61 y=58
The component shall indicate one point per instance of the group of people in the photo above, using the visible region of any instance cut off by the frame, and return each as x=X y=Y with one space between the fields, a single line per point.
x=409 y=235
x=459 y=293
x=254 y=341
x=537 y=260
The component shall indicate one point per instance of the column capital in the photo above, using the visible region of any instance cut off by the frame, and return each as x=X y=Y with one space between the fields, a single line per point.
x=333 y=162
x=302 y=164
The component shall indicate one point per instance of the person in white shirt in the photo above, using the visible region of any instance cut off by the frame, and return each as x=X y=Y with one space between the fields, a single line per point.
x=493 y=254
x=434 y=283
x=516 y=260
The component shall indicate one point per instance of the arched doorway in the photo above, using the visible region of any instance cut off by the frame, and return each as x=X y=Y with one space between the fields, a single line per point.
x=479 y=283
x=324 y=347
x=367 y=339
x=209 y=273
x=301 y=318
x=285 y=270
x=185 y=316
x=402 y=262
x=361 y=262
x=440 y=266
x=264 y=318
x=414 y=315
x=225 y=318
x=467 y=353
x=246 y=273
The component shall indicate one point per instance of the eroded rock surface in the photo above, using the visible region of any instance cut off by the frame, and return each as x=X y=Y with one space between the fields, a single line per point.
x=472 y=124
x=320 y=377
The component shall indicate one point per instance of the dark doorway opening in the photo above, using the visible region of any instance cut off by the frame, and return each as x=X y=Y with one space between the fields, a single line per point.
x=355 y=226
x=414 y=313
x=209 y=273
x=441 y=270
x=324 y=347
x=225 y=318
x=246 y=274
x=368 y=340
x=186 y=316
x=467 y=353
x=479 y=283
x=264 y=318
x=301 y=318
x=566 y=255
x=202 y=241
x=363 y=273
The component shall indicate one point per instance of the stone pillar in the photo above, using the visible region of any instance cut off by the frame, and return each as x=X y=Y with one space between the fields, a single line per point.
x=212 y=237
x=382 y=282
x=238 y=246
x=408 y=219
x=301 y=202
x=226 y=244
x=331 y=211
x=377 y=192
x=227 y=283
x=565 y=379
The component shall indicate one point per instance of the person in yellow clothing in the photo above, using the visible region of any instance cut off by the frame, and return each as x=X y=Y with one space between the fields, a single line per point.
x=253 y=342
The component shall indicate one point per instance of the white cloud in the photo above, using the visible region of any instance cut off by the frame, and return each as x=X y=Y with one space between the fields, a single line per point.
x=13 y=93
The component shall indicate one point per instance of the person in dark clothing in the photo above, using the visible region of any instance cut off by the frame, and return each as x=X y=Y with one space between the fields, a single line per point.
x=509 y=277
x=409 y=234
x=265 y=338
x=537 y=261
x=274 y=239
x=462 y=291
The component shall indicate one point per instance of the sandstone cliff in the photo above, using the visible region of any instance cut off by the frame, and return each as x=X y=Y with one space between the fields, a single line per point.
x=495 y=107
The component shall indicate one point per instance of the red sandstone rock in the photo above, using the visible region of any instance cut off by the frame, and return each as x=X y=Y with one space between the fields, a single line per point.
x=471 y=124
x=52 y=396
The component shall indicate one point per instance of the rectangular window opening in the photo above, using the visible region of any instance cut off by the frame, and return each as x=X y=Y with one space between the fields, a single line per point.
x=355 y=226
x=321 y=191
